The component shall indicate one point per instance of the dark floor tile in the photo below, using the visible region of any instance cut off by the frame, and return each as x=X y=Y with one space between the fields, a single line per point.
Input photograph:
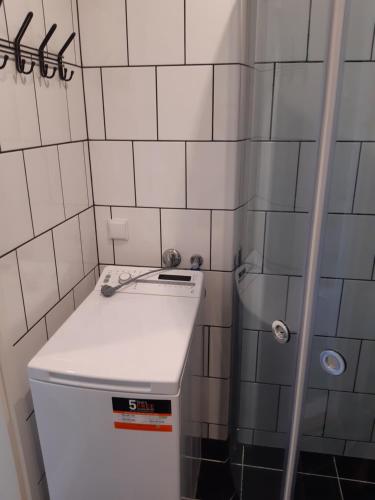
x=215 y=481
x=316 y=463
x=352 y=490
x=214 y=449
x=356 y=468
x=261 y=484
x=316 y=488
x=264 y=456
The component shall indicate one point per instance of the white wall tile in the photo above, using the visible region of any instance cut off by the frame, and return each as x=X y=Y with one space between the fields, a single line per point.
x=282 y=27
x=156 y=31
x=53 y=110
x=102 y=46
x=84 y=288
x=185 y=102
x=94 y=103
x=160 y=174
x=86 y=155
x=44 y=183
x=344 y=171
x=213 y=31
x=3 y=25
x=112 y=173
x=130 y=103
x=295 y=116
x=105 y=245
x=220 y=352
x=260 y=112
x=227 y=93
x=252 y=243
x=356 y=117
x=189 y=232
x=77 y=45
x=16 y=13
x=143 y=246
x=12 y=314
x=214 y=400
x=73 y=176
x=219 y=432
x=360 y=30
x=15 y=218
x=217 y=305
x=76 y=105
x=68 y=254
x=213 y=174
x=276 y=163
x=59 y=314
x=60 y=12
x=14 y=362
x=38 y=276
x=88 y=239
x=225 y=239
x=17 y=101
x=364 y=196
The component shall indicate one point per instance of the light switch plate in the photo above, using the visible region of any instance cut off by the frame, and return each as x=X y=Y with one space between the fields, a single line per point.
x=118 y=229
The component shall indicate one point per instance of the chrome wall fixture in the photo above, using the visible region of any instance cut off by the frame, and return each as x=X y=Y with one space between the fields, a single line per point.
x=49 y=63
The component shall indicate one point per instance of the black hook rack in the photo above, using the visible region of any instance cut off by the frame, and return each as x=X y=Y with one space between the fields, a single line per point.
x=63 y=71
x=4 y=63
x=42 y=64
x=20 y=63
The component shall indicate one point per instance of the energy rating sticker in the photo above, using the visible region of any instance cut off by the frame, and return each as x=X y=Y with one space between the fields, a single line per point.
x=153 y=415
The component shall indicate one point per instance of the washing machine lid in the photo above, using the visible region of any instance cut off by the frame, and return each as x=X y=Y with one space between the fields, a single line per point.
x=134 y=341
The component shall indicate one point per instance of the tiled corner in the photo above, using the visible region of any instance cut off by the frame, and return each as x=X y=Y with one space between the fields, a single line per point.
x=93 y=95
x=59 y=314
x=88 y=240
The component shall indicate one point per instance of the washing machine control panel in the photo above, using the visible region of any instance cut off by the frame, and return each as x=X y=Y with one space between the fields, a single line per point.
x=171 y=282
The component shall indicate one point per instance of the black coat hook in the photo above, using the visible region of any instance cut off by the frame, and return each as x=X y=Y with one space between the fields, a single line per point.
x=43 y=66
x=4 y=63
x=63 y=71
x=20 y=63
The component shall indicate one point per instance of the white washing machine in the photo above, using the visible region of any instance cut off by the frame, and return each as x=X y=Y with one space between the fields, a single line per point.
x=114 y=391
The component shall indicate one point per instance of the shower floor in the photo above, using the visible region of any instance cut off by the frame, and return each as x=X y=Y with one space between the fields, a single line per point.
x=256 y=474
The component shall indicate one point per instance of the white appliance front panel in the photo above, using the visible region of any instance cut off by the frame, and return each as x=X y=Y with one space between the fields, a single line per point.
x=87 y=458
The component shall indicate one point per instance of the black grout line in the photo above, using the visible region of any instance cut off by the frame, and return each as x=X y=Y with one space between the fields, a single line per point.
x=210 y=267
x=22 y=294
x=74 y=43
x=65 y=85
x=213 y=102
x=297 y=174
x=127 y=32
x=113 y=241
x=186 y=177
x=156 y=103
x=161 y=239
x=372 y=55
x=28 y=192
x=182 y=65
x=272 y=99
x=308 y=32
x=356 y=176
x=54 y=256
x=80 y=241
x=134 y=176
x=184 y=32
x=339 y=308
x=61 y=182
x=104 y=120
x=37 y=115
x=338 y=479
x=87 y=184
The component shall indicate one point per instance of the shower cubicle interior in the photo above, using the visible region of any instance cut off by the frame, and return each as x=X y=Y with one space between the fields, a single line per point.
x=287 y=93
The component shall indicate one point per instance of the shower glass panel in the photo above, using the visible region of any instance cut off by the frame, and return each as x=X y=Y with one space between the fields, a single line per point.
x=338 y=437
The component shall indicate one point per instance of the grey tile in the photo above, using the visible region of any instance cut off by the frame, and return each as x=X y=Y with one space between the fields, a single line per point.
x=249 y=355
x=277 y=170
x=360 y=450
x=325 y=321
x=253 y=240
x=258 y=406
x=365 y=381
x=296 y=117
x=314 y=411
x=344 y=171
x=316 y=444
x=357 y=313
x=245 y=436
x=349 y=349
x=350 y=416
x=270 y=439
x=349 y=246
x=286 y=243
x=276 y=362
x=264 y=300
x=364 y=201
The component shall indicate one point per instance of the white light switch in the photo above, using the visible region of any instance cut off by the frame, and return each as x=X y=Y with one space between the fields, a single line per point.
x=118 y=229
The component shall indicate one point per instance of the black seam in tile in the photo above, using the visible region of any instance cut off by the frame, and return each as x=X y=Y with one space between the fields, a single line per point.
x=127 y=32
x=21 y=288
x=104 y=120
x=28 y=192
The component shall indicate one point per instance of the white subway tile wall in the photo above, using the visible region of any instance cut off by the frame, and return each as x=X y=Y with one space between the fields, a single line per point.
x=48 y=250
x=167 y=144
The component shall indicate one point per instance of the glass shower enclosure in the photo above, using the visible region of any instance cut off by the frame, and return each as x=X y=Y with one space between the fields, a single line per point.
x=304 y=387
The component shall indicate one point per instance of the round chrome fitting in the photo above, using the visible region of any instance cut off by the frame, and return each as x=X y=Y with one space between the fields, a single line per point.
x=280 y=332
x=171 y=257
x=332 y=362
